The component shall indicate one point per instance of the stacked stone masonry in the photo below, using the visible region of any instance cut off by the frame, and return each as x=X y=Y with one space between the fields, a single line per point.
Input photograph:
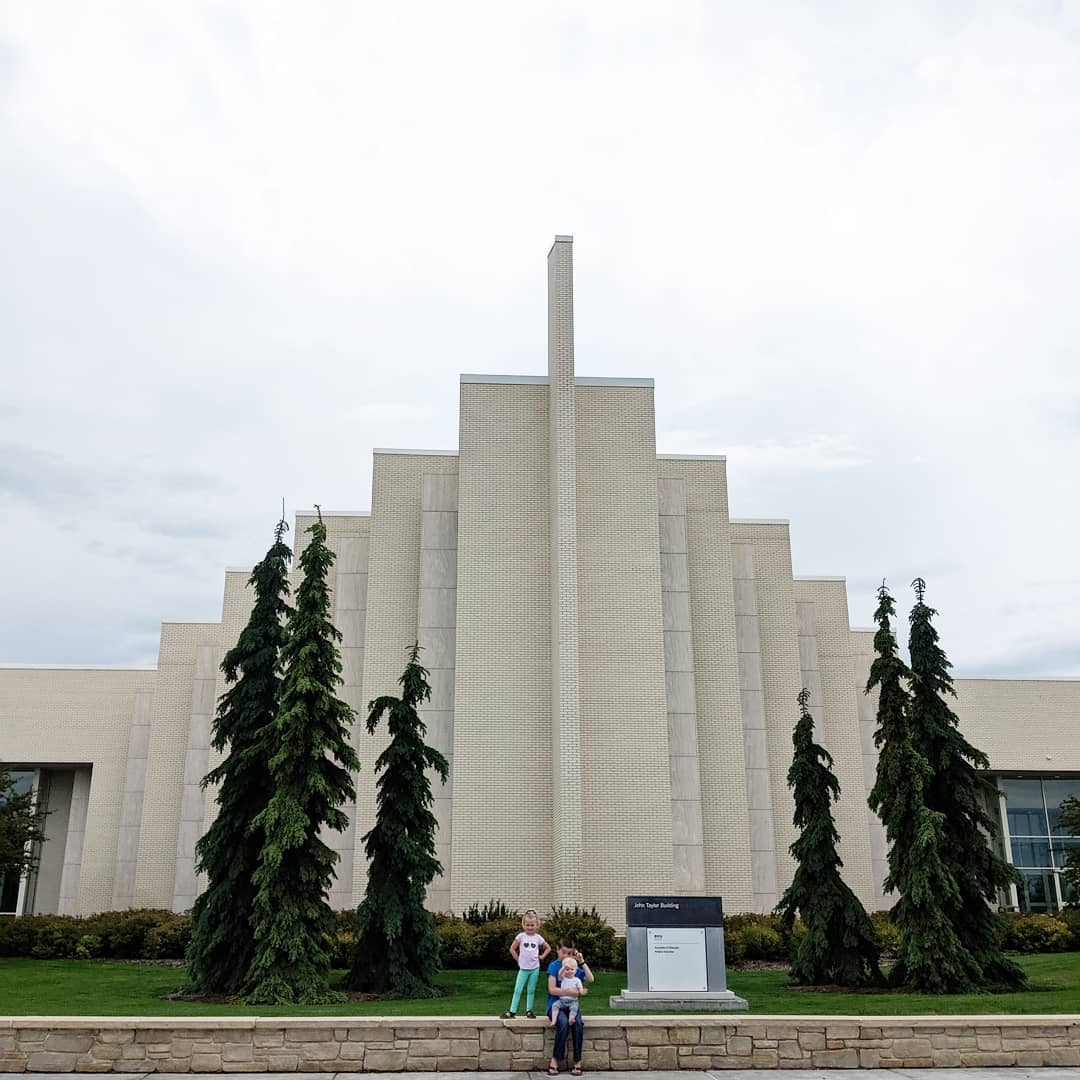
x=441 y=1044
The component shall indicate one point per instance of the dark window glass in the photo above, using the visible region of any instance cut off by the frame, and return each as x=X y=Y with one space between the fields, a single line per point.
x=23 y=780
x=1061 y=848
x=1037 y=891
x=1024 y=807
x=1027 y=852
x=9 y=893
x=1056 y=792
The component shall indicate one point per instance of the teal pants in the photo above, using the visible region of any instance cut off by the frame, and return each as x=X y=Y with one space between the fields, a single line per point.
x=526 y=980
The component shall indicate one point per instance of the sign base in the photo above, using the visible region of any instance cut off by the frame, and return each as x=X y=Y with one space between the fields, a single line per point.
x=709 y=1001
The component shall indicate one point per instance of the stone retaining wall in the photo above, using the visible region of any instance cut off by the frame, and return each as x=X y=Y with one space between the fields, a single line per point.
x=388 y=1044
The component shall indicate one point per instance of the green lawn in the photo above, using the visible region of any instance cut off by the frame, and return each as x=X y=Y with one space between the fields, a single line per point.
x=88 y=988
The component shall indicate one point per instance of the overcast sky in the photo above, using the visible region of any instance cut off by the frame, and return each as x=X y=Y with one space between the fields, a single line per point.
x=242 y=245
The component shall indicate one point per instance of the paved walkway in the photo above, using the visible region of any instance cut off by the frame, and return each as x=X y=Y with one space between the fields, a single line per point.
x=1015 y=1073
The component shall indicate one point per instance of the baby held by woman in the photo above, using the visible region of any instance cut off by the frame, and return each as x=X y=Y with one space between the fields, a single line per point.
x=567 y=1003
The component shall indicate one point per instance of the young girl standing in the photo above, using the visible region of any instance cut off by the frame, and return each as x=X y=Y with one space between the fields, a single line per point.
x=529 y=949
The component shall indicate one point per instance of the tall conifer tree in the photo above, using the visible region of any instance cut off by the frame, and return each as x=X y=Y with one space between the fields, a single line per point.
x=397 y=950
x=222 y=944
x=840 y=947
x=311 y=776
x=960 y=790
x=932 y=959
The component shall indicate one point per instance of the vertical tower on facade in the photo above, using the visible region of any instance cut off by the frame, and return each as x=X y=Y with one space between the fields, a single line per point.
x=565 y=658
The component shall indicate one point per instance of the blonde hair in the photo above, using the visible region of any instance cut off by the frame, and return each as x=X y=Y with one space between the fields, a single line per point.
x=529 y=914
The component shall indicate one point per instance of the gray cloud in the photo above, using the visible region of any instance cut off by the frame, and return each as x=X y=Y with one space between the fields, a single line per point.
x=248 y=247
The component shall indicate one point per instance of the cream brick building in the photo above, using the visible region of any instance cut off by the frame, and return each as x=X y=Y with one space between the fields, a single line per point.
x=614 y=663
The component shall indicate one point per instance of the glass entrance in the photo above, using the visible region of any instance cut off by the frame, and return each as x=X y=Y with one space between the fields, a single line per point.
x=1035 y=840
x=13 y=889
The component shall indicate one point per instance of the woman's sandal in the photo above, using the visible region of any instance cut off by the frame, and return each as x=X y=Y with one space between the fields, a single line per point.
x=575 y=1071
x=552 y=1071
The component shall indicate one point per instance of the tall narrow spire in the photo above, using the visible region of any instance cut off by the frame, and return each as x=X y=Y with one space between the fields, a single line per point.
x=561 y=309
x=568 y=864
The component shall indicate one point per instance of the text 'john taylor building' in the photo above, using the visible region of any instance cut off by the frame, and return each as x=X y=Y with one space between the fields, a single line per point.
x=614 y=660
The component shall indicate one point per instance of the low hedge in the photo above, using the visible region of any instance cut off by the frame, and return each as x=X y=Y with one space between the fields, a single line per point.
x=138 y=934
x=153 y=934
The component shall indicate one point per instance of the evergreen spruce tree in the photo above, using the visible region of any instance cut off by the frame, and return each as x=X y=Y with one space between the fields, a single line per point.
x=22 y=824
x=960 y=790
x=310 y=773
x=931 y=959
x=840 y=947
x=397 y=950
x=222 y=945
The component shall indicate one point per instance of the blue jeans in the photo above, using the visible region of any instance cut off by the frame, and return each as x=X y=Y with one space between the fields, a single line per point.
x=562 y=1029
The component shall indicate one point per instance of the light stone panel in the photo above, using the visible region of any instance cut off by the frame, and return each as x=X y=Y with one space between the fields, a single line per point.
x=755 y=741
x=706 y=575
x=63 y=717
x=193 y=798
x=628 y=776
x=51 y=867
x=391 y=613
x=503 y=794
x=187 y=654
x=687 y=830
x=75 y=845
x=780 y=672
x=127 y=843
x=436 y=634
x=825 y=642
x=862 y=648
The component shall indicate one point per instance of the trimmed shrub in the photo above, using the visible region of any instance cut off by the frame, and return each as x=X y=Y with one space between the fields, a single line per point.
x=168 y=940
x=123 y=933
x=459 y=942
x=751 y=936
x=798 y=932
x=56 y=938
x=594 y=937
x=618 y=959
x=341 y=948
x=163 y=935
x=757 y=942
x=1034 y=933
x=88 y=947
x=888 y=934
x=111 y=934
x=1071 y=918
x=493 y=942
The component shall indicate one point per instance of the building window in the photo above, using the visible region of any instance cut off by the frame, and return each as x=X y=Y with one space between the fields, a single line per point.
x=1035 y=840
x=12 y=887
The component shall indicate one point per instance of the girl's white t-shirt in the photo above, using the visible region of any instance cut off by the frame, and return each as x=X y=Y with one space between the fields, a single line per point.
x=530 y=946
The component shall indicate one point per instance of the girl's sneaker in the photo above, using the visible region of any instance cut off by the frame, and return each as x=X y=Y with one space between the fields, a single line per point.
x=508 y=1015
x=531 y=1015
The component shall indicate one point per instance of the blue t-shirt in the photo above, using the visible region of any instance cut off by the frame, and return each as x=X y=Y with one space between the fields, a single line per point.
x=553 y=969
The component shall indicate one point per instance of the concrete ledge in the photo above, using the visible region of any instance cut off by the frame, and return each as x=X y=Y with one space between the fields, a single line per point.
x=468 y=1043
x=654 y=1001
